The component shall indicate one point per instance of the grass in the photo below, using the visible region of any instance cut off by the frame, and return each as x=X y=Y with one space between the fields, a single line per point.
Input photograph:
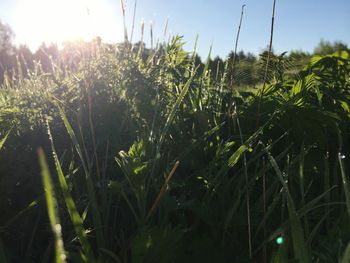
x=152 y=157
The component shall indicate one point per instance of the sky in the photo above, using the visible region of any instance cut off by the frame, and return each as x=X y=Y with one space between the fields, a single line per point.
x=299 y=24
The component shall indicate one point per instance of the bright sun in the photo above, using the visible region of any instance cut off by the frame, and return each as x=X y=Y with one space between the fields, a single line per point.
x=38 y=21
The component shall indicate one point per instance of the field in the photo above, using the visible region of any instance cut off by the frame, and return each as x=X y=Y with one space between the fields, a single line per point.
x=120 y=153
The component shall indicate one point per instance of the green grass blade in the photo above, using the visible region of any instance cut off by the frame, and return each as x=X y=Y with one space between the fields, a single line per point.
x=111 y=255
x=71 y=207
x=301 y=172
x=174 y=110
x=2 y=141
x=207 y=63
x=3 y=257
x=345 y=182
x=51 y=204
x=237 y=154
x=299 y=243
x=90 y=185
x=73 y=138
x=244 y=147
x=20 y=214
x=346 y=256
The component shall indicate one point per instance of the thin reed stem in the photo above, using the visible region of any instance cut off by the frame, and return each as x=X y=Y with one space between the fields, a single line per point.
x=236 y=45
x=162 y=190
x=133 y=22
x=268 y=59
x=247 y=192
x=264 y=208
x=122 y=3
x=151 y=32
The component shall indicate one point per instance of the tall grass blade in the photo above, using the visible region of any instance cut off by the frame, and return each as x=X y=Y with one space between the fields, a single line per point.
x=3 y=140
x=122 y=3
x=346 y=256
x=163 y=189
x=245 y=146
x=236 y=45
x=267 y=61
x=90 y=185
x=345 y=182
x=71 y=207
x=3 y=257
x=174 y=109
x=133 y=21
x=237 y=154
x=51 y=204
x=299 y=243
x=247 y=191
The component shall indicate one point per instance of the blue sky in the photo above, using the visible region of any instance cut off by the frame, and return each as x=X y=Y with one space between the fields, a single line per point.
x=299 y=24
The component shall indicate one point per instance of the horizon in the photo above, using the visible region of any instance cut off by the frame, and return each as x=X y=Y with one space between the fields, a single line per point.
x=92 y=18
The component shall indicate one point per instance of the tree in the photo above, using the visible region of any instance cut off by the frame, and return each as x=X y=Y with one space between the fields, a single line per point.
x=6 y=37
x=244 y=73
x=326 y=47
x=45 y=54
x=6 y=50
x=25 y=58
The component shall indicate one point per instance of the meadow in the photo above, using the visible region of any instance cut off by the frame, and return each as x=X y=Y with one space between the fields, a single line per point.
x=122 y=153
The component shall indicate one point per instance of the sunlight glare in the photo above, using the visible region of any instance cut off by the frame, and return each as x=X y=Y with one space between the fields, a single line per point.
x=38 y=21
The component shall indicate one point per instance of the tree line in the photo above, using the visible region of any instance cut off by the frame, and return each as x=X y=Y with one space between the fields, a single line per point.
x=247 y=70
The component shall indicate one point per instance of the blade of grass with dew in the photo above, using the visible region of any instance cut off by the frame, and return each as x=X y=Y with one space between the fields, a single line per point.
x=51 y=204
x=90 y=185
x=299 y=243
x=71 y=207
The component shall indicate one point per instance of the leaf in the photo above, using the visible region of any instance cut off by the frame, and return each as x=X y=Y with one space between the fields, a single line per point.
x=244 y=147
x=346 y=256
x=237 y=154
x=299 y=243
x=156 y=244
x=51 y=204
x=3 y=257
x=90 y=185
x=75 y=218
x=345 y=182
x=2 y=141
x=174 y=109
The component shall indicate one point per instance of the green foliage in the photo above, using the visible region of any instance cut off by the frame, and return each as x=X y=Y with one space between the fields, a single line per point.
x=158 y=159
x=327 y=48
x=51 y=203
